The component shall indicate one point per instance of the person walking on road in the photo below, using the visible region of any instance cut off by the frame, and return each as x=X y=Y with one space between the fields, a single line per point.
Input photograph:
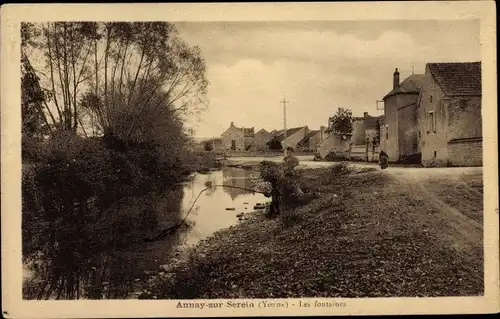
x=383 y=158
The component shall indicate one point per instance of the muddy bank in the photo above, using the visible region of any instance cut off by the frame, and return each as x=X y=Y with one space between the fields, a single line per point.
x=358 y=239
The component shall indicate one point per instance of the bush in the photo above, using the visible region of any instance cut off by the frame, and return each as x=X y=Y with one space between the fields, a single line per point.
x=208 y=146
x=413 y=158
x=275 y=144
x=332 y=156
x=87 y=196
x=341 y=168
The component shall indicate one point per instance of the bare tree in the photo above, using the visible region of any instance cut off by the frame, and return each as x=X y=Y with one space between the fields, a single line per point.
x=100 y=72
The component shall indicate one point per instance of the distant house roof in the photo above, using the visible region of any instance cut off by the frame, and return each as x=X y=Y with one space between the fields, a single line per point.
x=276 y=132
x=263 y=131
x=307 y=137
x=289 y=132
x=248 y=131
x=457 y=79
x=410 y=85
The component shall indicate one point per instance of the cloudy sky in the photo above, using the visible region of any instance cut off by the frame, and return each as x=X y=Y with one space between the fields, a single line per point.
x=318 y=66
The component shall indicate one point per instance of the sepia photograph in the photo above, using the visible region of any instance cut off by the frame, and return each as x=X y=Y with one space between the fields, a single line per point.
x=250 y=164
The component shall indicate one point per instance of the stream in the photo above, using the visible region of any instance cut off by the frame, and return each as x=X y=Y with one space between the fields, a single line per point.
x=117 y=274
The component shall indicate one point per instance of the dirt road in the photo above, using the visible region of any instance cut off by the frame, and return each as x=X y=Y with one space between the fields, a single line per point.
x=455 y=199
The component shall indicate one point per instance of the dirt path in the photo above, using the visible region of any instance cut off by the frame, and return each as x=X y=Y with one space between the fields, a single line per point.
x=456 y=207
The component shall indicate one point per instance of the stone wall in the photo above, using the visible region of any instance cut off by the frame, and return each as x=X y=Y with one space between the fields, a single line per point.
x=465 y=153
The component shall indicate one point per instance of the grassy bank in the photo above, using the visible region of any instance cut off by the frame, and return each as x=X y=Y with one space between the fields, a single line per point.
x=362 y=237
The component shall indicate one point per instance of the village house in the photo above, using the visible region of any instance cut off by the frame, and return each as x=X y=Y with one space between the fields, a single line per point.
x=332 y=144
x=238 y=138
x=292 y=137
x=362 y=142
x=450 y=113
x=262 y=137
x=312 y=140
x=400 y=133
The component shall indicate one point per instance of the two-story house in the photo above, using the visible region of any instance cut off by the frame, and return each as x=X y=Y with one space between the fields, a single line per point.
x=450 y=113
x=400 y=133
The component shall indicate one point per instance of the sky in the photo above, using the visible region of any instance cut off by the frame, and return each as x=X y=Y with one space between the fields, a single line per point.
x=317 y=66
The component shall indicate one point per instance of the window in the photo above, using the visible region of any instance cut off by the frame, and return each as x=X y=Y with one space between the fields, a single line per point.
x=430 y=98
x=387 y=132
x=233 y=145
x=435 y=153
x=431 y=123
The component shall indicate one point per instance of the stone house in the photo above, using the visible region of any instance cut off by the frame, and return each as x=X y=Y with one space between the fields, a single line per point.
x=292 y=137
x=238 y=138
x=400 y=132
x=450 y=112
x=332 y=143
x=262 y=137
x=312 y=140
x=364 y=128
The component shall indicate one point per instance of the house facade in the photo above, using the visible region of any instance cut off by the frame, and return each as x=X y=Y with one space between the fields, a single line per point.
x=364 y=129
x=238 y=138
x=400 y=132
x=292 y=137
x=312 y=140
x=262 y=137
x=332 y=143
x=450 y=113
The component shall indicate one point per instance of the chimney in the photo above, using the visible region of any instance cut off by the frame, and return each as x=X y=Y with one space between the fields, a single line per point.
x=365 y=114
x=232 y=124
x=395 y=83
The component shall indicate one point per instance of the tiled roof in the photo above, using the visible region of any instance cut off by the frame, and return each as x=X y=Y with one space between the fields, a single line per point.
x=289 y=132
x=263 y=131
x=411 y=84
x=457 y=78
x=308 y=136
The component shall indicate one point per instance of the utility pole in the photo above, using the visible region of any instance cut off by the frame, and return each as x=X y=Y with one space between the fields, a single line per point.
x=284 y=120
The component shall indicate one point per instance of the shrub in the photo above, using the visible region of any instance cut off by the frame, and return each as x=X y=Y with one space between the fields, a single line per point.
x=341 y=168
x=332 y=156
x=87 y=196
x=208 y=145
x=275 y=144
x=413 y=158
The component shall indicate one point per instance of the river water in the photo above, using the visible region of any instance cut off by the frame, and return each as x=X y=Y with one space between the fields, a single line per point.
x=116 y=274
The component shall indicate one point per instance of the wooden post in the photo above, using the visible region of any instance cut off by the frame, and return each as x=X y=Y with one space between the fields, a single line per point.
x=284 y=121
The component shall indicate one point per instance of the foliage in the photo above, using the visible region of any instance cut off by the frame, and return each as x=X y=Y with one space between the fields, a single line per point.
x=275 y=144
x=88 y=193
x=208 y=145
x=84 y=197
x=376 y=138
x=341 y=123
x=342 y=168
x=100 y=73
x=413 y=158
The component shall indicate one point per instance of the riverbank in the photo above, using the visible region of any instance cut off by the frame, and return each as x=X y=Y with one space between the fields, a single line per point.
x=357 y=239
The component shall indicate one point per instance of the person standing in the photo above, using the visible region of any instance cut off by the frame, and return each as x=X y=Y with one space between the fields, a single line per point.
x=275 y=195
x=383 y=158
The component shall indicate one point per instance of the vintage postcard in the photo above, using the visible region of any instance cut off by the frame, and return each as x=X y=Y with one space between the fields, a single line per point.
x=181 y=160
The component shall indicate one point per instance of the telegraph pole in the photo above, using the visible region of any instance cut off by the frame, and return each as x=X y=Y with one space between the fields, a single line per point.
x=284 y=120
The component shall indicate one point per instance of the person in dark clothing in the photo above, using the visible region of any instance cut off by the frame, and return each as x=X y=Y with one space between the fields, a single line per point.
x=275 y=197
x=383 y=157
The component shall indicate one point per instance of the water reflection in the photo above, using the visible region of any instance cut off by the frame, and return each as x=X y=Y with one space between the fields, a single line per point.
x=88 y=272
x=211 y=214
x=237 y=178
